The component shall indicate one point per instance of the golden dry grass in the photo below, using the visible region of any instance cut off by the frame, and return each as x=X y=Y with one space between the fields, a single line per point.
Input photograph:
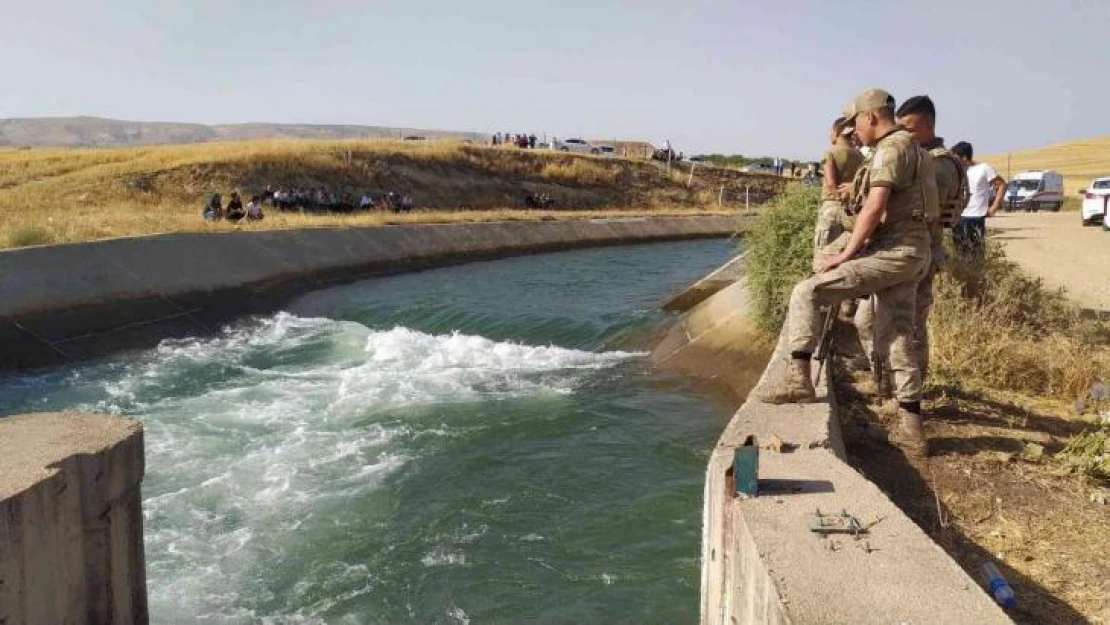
x=995 y=326
x=1078 y=161
x=64 y=194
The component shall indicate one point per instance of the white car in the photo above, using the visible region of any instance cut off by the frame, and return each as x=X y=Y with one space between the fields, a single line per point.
x=607 y=151
x=1095 y=198
x=581 y=146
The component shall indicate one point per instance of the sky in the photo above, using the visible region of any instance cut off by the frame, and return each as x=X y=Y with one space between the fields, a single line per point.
x=753 y=78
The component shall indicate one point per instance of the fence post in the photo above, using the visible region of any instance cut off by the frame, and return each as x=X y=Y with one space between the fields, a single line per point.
x=721 y=196
x=747 y=199
x=690 y=179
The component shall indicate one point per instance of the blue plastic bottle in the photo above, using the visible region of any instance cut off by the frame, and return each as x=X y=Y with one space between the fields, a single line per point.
x=998 y=587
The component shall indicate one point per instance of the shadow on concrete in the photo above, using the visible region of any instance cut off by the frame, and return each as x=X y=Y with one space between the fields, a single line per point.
x=794 y=487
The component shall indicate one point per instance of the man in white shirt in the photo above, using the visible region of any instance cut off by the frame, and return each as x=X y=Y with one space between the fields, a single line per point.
x=986 y=189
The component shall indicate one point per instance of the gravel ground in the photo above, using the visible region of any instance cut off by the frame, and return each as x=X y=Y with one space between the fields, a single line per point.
x=1055 y=247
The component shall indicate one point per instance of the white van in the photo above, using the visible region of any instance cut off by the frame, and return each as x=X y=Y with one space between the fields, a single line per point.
x=1036 y=189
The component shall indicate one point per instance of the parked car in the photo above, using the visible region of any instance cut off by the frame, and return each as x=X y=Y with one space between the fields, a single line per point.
x=1033 y=190
x=1095 y=198
x=607 y=151
x=580 y=146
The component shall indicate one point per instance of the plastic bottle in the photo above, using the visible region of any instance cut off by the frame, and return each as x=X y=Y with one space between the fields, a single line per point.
x=998 y=587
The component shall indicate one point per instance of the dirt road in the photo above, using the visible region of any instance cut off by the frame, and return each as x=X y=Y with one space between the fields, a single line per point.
x=1055 y=247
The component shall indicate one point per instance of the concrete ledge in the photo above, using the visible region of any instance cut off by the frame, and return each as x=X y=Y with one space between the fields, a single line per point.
x=707 y=287
x=717 y=341
x=760 y=561
x=71 y=533
x=69 y=302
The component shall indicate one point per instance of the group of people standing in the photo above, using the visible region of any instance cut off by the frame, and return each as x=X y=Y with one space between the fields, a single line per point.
x=891 y=188
x=520 y=141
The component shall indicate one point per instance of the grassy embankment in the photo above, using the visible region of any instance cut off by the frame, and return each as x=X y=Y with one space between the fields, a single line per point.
x=62 y=195
x=1018 y=466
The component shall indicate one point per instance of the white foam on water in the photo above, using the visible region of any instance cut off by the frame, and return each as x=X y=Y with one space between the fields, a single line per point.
x=255 y=435
x=441 y=556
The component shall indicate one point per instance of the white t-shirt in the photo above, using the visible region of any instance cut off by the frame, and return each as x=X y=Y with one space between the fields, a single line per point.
x=979 y=177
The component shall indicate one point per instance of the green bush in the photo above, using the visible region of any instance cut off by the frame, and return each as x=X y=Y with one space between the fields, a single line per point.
x=29 y=235
x=780 y=252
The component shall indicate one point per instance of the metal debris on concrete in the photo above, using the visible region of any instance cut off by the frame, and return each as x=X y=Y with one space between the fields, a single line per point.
x=842 y=523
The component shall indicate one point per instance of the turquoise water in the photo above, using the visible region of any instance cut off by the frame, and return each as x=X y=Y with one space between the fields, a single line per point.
x=476 y=444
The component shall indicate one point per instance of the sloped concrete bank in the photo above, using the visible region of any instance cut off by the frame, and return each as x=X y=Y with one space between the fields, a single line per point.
x=761 y=563
x=69 y=302
x=71 y=524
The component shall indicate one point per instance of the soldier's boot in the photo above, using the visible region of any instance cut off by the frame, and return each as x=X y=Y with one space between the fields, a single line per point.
x=795 y=387
x=909 y=434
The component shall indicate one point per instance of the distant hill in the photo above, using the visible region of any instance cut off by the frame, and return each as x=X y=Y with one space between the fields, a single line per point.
x=1079 y=161
x=102 y=132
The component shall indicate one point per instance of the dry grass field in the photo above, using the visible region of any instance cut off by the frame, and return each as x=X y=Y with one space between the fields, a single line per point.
x=1079 y=161
x=56 y=195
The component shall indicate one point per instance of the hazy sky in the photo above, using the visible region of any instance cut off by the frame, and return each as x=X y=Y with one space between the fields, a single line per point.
x=749 y=77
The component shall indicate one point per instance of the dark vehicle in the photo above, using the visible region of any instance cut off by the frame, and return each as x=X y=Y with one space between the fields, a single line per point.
x=665 y=154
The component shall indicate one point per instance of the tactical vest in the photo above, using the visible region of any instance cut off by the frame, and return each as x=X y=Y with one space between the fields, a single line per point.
x=951 y=207
x=919 y=208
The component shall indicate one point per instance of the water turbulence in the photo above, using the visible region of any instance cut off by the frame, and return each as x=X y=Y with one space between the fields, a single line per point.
x=479 y=443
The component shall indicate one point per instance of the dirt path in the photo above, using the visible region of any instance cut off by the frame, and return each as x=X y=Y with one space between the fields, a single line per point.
x=1055 y=247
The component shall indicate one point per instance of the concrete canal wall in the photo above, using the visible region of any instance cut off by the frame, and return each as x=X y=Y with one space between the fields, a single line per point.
x=71 y=524
x=760 y=561
x=69 y=302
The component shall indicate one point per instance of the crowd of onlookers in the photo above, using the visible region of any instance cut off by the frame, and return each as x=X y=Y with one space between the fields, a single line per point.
x=214 y=210
x=318 y=200
x=523 y=141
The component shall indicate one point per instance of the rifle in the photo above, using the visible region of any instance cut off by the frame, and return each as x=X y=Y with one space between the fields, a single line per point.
x=825 y=344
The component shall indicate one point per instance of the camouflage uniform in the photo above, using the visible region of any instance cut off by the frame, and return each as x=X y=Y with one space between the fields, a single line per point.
x=871 y=323
x=894 y=260
x=846 y=161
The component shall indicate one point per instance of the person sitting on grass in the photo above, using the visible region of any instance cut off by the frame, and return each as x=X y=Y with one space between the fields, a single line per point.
x=235 y=210
x=254 y=209
x=213 y=210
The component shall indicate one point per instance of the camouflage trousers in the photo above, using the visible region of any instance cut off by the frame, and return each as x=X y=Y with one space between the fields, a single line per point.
x=873 y=324
x=891 y=274
x=829 y=226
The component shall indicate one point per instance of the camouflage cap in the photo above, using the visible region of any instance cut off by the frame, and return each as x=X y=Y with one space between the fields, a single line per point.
x=868 y=101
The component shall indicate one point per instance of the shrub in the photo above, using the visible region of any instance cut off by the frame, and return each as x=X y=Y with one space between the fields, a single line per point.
x=1088 y=453
x=780 y=252
x=995 y=325
x=24 y=236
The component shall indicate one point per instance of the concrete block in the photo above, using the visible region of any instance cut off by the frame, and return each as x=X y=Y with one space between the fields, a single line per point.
x=71 y=547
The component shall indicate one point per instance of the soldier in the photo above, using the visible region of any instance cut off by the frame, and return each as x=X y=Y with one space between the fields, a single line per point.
x=886 y=254
x=841 y=162
x=918 y=116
